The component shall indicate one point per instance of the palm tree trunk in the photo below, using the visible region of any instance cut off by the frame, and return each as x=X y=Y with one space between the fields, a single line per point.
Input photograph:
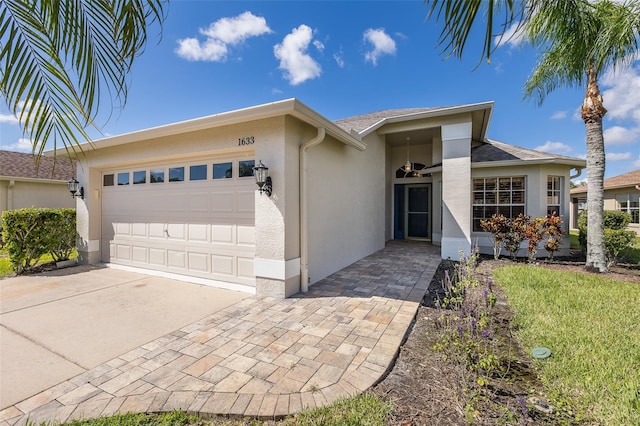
x=592 y=113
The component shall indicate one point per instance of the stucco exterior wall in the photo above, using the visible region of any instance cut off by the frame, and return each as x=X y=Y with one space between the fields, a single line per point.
x=610 y=203
x=347 y=204
x=536 y=200
x=38 y=194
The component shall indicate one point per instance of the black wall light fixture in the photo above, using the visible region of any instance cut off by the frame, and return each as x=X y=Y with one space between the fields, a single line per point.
x=73 y=188
x=263 y=180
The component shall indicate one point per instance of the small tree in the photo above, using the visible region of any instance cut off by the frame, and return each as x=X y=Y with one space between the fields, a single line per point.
x=498 y=227
x=616 y=237
x=516 y=234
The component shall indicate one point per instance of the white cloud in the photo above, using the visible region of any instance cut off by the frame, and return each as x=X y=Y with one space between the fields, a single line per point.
x=555 y=147
x=318 y=44
x=618 y=156
x=8 y=119
x=559 y=115
x=220 y=35
x=297 y=64
x=22 y=145
x=618 y=135
x=513 y=36
x=382 y=43
x=339 y=58
x=637 y=162
x=620 y=97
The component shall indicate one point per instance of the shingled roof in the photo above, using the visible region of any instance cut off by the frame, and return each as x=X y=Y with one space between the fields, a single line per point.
x=21 y=165
x=627 y=179
x=364 y=121
x=499 y=151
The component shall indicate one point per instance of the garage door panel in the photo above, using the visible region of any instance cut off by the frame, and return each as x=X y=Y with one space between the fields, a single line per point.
x=198 y=232
x=157 y=256
x=223 y=202
x=246 y=235
x=175 y=231
x=222 y=265
x=245 y=267
x=139 y=229
x=156 y=230
x=139 y=254
x=222 y=234
x=123 y=229
x=176 y=259
x=198 y=262
x=246 y=201
x=202 y=228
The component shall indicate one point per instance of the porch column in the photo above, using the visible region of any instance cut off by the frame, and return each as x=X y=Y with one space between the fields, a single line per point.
x=456 y=189
x=89 y=215
x=277 y=274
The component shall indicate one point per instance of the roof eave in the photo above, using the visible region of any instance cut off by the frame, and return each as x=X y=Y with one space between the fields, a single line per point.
x=538 y=161
x=286 y=107
x=438 y=112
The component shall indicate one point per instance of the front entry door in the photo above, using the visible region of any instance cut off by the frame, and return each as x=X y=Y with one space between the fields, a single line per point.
x=412 y=212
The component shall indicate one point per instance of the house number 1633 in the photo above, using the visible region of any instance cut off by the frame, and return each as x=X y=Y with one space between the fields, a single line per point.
x=249 y=140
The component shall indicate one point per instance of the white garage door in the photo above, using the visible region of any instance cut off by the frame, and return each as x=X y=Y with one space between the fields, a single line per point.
x=193 y=218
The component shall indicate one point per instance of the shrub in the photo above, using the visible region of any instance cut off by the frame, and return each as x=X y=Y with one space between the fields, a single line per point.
x=534 y=233
x=553 y=229
x=616 y=238
x=516 y=234
x=30 y=233
x=498 y=226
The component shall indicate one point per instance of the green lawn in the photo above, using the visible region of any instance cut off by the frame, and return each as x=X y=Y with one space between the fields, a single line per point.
x=592 y=326
x=363 y=409
x=5 y=264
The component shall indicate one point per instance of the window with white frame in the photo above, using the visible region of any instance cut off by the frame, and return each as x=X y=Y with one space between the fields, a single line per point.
x=554 y=195
x=497 y=195
x=630 y=203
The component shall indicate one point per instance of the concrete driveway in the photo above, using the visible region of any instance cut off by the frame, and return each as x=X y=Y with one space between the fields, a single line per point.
x=56 y=325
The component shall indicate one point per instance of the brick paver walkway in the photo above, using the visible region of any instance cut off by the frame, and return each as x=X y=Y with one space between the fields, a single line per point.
x=261 y=357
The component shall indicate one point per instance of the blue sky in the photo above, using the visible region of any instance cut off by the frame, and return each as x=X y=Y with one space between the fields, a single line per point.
x=344 y=58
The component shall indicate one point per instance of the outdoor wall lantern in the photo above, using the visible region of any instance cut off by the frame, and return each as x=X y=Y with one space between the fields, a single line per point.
x=73 y=189
x=263 y=180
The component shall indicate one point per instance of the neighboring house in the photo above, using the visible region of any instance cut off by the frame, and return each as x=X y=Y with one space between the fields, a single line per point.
x=621 y=192
x=24 y=184
x=180 y=200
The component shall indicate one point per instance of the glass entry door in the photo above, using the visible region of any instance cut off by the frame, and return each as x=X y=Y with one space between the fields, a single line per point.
x=417 y=211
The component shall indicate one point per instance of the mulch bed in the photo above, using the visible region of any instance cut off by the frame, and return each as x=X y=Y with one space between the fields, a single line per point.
x=426 y=388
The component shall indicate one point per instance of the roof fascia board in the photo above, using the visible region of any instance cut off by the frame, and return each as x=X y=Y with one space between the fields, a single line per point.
x=541 y=161
x=286 y=107
x=308 y=115
x=439 y=112
x=33 y=180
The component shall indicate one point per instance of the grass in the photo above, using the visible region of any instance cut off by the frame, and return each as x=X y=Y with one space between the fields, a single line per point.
x=592 y=326
x=364 y=409
x=5 y=265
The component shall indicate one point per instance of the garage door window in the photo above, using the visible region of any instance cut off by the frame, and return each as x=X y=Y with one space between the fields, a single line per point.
x=198 y=172
x=156 y=176
x=222 y=171
x=176 y=174
x=123 y=178
x=245 y=168
x=139 y=177
x=107 y=180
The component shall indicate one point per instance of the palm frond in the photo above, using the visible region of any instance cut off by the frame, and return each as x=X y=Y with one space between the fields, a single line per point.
x=460 y=16
x=57 y=58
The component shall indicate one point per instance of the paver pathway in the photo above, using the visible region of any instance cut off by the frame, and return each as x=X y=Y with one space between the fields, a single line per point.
x=261 y=357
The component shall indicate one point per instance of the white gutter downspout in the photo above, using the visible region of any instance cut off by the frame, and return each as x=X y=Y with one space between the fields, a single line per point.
x=578 y=173
x=304 y=248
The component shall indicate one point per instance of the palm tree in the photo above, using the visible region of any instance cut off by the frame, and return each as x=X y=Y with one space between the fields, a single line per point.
x=580 y=40
x=58 y=59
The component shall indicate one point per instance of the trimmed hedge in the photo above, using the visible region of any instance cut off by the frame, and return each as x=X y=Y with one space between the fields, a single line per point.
x=616 y=238
x=30 y=233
